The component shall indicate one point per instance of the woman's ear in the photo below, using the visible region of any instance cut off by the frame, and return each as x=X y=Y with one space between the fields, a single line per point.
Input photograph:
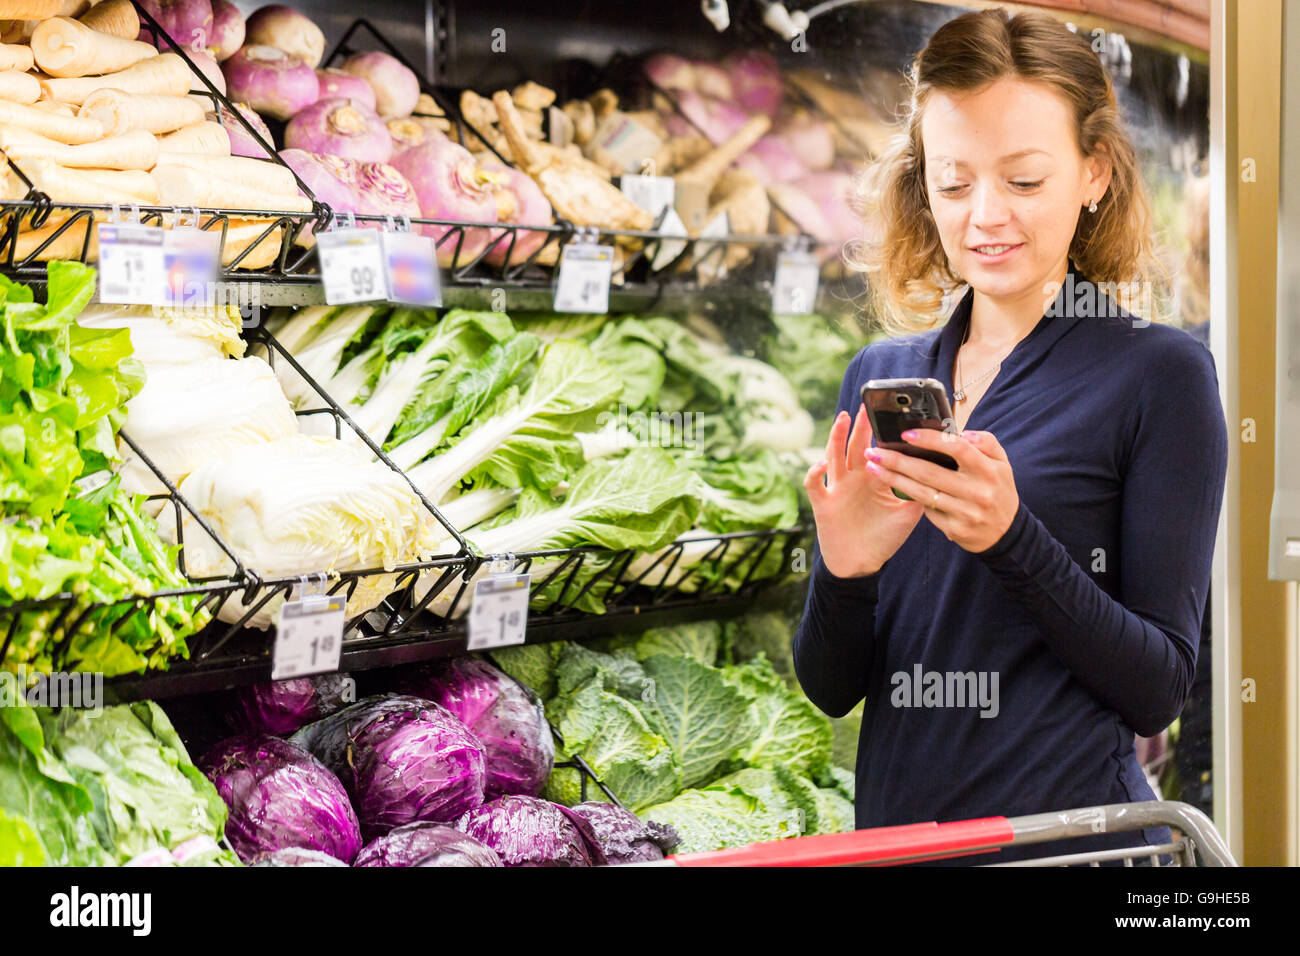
x=1099 y=172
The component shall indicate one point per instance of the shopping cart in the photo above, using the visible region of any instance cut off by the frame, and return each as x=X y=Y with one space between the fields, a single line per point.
x=1196 y=841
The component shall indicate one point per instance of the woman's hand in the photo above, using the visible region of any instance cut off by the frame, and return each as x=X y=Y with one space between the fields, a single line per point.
x=977 y=502
x=860 y=522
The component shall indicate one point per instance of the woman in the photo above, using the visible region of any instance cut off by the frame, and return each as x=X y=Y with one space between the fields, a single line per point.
x=1063 y=567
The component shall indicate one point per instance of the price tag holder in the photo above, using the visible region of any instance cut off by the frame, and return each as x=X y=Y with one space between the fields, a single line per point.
x=191 y=260
x=498 y=615
x=710 y=257
x=654 y=194
x=669 y=249
x=794 y=288
x=411 y=269
x=132 y=267
x=585 y=273
x=309 y=636
x=353 y=267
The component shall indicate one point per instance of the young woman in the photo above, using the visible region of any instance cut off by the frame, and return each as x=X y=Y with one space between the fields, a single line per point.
x=1063 y=568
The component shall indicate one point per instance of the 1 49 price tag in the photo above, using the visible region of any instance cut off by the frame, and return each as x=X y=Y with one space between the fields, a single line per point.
x=499 y=612
x=309 y=638
x=352 y=266
x=794 y=288
x=585 y=272
x=132 y=268
x=411 y=265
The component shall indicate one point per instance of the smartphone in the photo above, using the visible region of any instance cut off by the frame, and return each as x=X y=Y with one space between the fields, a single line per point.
x=896 y=404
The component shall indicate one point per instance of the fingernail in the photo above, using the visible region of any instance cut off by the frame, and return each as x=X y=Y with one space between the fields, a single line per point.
x=821 y=464
x=873 y=467
x=972 y=436
x=910 y=433
x=873 y=454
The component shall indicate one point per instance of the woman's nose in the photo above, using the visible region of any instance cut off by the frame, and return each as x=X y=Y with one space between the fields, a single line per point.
x=988 y=205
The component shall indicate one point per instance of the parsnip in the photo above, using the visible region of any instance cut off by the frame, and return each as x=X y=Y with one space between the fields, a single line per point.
x=16 y=56
x=58 y=109
x=30 y=9
x=183 y=186
x=68 y=245
x=117 y=17
x=258 y=174
x=66 y=185
x=119 y=112
x=244 y=234
x=63 y=47
x=65 y=129
x=206 y=138
x=165 y=74
x=19 y=87
x=134 y=150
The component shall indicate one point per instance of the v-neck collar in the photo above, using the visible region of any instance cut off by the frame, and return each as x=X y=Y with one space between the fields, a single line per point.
x=1055 y=322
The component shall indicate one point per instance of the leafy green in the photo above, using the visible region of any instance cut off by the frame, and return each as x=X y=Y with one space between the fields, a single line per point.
x=792 y=732
x=533 y=665
x=812 y=351
x=718 y=817
x=698 y=640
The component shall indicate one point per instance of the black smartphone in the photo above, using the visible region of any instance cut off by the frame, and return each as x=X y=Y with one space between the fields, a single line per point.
x=896 y=404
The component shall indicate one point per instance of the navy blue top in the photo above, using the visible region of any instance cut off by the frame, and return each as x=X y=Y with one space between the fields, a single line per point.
x=1088 y=609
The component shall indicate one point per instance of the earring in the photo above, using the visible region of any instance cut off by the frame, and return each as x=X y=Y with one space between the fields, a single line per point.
x=1092 y=206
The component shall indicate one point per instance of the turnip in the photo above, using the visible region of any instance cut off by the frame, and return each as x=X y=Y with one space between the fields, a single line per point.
x=772 y=160
x=755 y=81
x=323 y=175
x=829 y=191
x=338 y=127
x=346 y=185
x=670 y=72
x=712 y=80
x=811 y=140
x=227 y=34
x=334 y=82
x=519 y=201
x=288 y=30
x=209 y=68
x=188 y=22
x=241 y=142
x=719 y=120
x=397 y=89
x=271 y=81
x=450 y=185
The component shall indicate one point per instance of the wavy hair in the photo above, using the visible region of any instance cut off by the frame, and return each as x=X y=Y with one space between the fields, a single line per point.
x=908 y=273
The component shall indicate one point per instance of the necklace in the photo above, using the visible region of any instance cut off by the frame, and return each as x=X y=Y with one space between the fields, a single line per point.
x=960 y=393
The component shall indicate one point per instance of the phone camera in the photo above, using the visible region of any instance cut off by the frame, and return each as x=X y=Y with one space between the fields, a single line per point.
x=903 y=400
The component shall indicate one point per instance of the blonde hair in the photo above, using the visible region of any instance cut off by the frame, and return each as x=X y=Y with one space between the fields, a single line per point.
x=908 y=273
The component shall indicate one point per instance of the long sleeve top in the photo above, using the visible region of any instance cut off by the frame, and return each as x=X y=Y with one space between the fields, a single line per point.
x=1087 y=612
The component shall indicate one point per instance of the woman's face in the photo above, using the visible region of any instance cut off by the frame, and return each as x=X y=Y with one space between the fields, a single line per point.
x=1002 y=169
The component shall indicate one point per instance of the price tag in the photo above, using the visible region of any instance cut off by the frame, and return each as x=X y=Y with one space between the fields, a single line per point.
x=132 y=269
x=794 y=288
x=585 y=273
x=191 y=259
x=499 y=612
x=352 y=266
x=669 y=249
x=309 y=636
x=651 y=193
x=411 y=266
x=710 y=257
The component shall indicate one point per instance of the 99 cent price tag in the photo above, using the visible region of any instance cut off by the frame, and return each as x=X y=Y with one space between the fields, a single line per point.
x=132 y=269
x=585 y=273
x=794 y=288
x=411 y=267
x=352 y=266
x=498 y=614
x=309 y=637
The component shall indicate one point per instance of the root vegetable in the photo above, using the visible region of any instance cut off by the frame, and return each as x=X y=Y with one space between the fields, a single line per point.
x=115 y=17
x=68 y=244
x=755 y=82
x=713 y=80
x=449 y=184
x=256 y=173
x=810 y=140
x=14 y=56
x=19 y=87
x=669 y=71
x=340 y=83
x=30 y=9
x=188 y=22
x=397 y=89
x=134 y=150
x=184 y=186
x=710 y=166
x=519 y=201
x=286 y=29
x=344 y=128
x=532 y=96
x=251 y=234
x=163 y=74
x=63 y=184
x=242 y=142
x=206 y=138
x=773 y=160
x=212 y=70
x=227 y=34
x=63 y=47
x=271 y=81
x=64 y=129
x=120 y=112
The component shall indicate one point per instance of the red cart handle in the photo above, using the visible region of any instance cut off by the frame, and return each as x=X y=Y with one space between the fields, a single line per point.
x=880 y=847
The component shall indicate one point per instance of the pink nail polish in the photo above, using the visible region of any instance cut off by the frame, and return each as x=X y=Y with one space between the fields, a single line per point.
x=910 y=433
x=873 y=454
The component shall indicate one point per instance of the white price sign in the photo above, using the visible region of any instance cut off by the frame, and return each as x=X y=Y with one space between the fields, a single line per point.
x=132 y=267
x=498 y=614
x=191 y=259
x=353 y=267
x=309 y=637
x=669 y=249
x=411 y=267
x=654 y=194
x=585 y=273
x=794 y=289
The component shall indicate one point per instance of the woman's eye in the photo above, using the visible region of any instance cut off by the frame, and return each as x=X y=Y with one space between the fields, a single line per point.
x=1018 y=185
x=1028 y=185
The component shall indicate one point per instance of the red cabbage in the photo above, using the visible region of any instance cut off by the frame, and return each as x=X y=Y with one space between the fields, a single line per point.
x=295 y=856
x=506 y=717
x=528 y=831
x=401 y=759
x=426 y=844
x=624 y=836
x=279 y=797
x=281 y=707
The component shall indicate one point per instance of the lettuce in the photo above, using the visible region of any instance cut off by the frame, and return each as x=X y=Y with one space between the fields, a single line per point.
x=722 y=816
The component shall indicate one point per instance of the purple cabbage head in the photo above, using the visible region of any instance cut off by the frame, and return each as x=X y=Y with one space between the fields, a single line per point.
x=505 y=716
x=426 y=844
x=528 y=831
x=625 y=837
x=281 y=707
x=401 y=759
x=296 y=856
x=280 y=796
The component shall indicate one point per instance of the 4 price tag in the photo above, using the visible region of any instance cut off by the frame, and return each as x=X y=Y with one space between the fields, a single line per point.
x=353 y=267
x=794 y=288
x=585 y=273
x=309 y=637
x=132 y=267
x=498 y=615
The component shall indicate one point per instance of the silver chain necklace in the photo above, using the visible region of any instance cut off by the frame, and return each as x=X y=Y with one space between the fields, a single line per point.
x=960 y=393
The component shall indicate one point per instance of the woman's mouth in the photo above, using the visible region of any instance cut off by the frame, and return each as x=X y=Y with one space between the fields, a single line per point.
x=995 y=252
